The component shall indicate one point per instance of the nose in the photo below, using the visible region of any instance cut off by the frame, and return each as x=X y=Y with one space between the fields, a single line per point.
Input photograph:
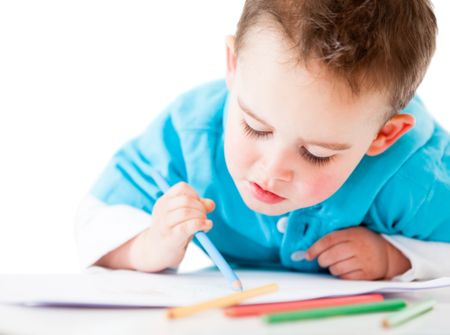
x=277 y=166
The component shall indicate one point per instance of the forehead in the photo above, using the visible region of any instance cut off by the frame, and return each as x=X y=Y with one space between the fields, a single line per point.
x=270 y=77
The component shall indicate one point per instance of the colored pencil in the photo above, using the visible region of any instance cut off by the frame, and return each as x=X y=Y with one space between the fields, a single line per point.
x=260 y=309
x=381 y=306
x=409 y=313
x=229 y=300
x=205 y=242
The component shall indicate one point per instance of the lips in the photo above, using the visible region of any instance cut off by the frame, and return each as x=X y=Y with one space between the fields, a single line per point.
x=264 y=195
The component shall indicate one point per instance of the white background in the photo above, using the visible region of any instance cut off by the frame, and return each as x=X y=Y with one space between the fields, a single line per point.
x=79 y=78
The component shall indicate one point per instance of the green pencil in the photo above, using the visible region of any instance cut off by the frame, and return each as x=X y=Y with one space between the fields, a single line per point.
x=409 y=313
x=382 y=306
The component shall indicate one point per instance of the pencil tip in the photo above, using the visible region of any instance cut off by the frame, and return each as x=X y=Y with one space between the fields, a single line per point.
x=237 y=285
x=169 y=314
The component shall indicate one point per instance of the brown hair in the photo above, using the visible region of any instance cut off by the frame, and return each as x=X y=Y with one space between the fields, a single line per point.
x=385 y=45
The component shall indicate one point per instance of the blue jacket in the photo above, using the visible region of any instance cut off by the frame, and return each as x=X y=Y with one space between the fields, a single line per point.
x=405 y=190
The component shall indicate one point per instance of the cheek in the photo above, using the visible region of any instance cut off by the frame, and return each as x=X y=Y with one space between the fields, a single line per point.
x=318 y=187
x=240 y=151
x=327 y=181
x=324 y=187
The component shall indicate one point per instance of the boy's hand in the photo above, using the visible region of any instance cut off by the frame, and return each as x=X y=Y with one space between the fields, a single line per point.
x=177 y=216
x=358 y=253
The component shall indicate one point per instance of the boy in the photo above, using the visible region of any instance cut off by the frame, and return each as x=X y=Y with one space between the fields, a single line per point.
x=311 y=157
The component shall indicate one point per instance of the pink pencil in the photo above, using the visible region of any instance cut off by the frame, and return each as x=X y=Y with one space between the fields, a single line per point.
x=260 y=309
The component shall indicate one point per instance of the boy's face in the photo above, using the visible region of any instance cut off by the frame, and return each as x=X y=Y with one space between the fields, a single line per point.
x=293 y=136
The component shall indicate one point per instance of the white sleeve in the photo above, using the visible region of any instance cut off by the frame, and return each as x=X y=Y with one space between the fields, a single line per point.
x=429 y=260
x=101 y=228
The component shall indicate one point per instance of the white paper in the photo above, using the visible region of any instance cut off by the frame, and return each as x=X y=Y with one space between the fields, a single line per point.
x=107 y=288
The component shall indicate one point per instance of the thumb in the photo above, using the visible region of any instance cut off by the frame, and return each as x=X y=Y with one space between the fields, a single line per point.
x=208 y=204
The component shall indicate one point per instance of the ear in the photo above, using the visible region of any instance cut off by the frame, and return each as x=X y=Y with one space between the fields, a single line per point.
x=231 y=60
x=392 y=130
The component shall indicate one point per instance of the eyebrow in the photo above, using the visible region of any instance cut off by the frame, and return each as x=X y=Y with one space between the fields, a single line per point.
x=331 y=146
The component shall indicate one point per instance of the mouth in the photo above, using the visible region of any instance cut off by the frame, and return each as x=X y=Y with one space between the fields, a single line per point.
x=264 y=195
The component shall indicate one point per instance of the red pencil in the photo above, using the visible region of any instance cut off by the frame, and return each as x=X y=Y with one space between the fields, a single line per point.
x=260 y=309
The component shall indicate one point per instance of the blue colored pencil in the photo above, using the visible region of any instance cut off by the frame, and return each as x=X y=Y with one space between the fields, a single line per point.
x=205 y=242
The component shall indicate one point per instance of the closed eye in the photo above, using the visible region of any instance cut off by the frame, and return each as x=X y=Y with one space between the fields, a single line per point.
x=316 y=160
x=304 y=153
x=250 y=132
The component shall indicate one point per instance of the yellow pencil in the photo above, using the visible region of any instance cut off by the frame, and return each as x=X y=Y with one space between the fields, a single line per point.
x=228 y=300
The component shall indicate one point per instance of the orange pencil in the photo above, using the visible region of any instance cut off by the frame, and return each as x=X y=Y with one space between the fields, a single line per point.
x=260 y=309
x=228 y=300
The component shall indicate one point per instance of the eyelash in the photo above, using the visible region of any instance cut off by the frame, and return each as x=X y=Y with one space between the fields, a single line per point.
x=250 y=132
x=320 y=161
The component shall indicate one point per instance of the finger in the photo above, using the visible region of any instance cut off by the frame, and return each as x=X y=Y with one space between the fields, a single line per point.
x=354 y=275
x=188 y=228
x=208 y=204
x=337 y=253
x=183 y=214
x=184 y=201
x=325 y=243
x=344 y=267
x=181 y=188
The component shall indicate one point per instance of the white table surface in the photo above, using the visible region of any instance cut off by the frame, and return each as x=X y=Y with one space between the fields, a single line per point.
x=38 y=320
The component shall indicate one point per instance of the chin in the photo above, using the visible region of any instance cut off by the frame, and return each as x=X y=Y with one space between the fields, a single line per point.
x=281 y=208
x=267 y=209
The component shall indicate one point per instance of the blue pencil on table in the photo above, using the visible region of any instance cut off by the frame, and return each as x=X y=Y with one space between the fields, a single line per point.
x=206 y=243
